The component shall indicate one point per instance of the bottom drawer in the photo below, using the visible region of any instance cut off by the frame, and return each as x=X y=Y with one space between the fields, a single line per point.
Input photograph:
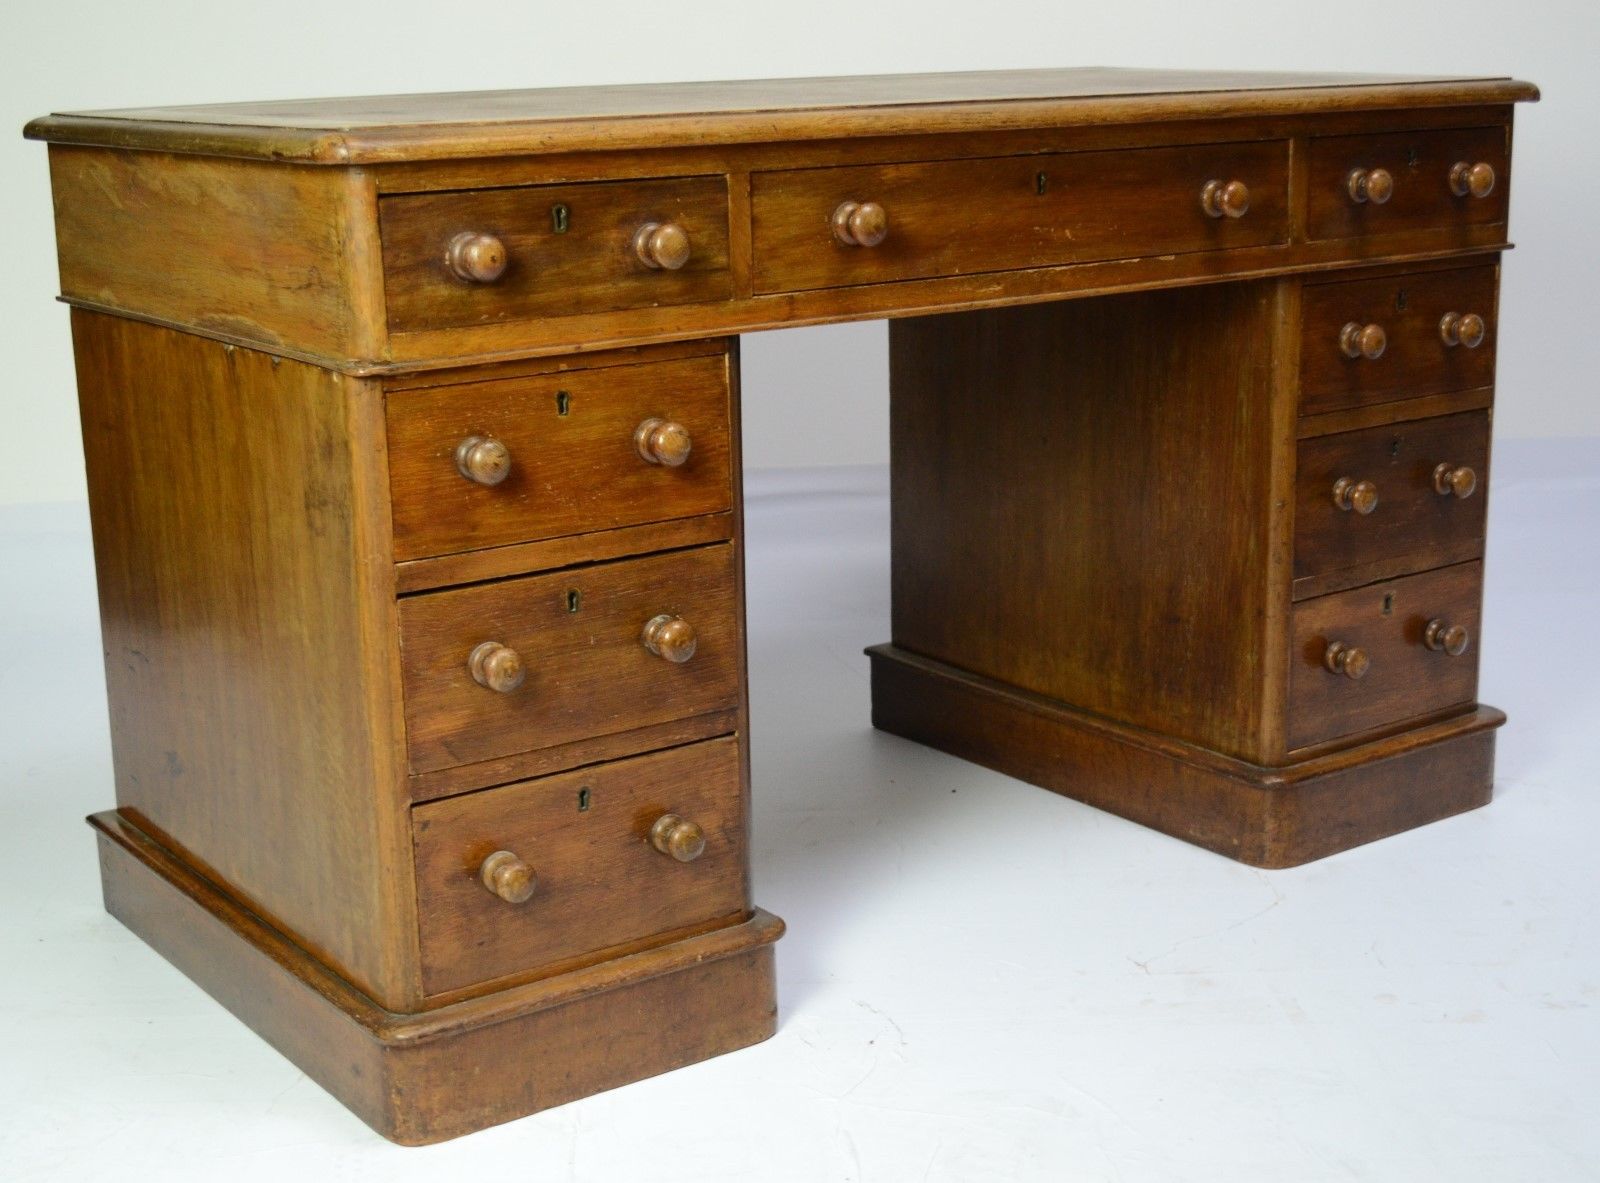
x=1384 y=653
x=592 y=841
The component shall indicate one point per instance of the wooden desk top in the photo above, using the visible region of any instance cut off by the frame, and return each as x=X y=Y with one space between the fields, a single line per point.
x=530 y=122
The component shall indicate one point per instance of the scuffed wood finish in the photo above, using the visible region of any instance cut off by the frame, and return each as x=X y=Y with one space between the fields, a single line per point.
x=1073 y=484
x=574 y=463
x=246 y=605
x=1420 y=164
x=522 y=122
x=1412 y=520
x=1265 y=816
x=420 y=1078
x=1415 y=361
x=966 y=216
x=280 y=256
x=1386 y=622
x=579 y=633
x=601 y=884
x=569 y=249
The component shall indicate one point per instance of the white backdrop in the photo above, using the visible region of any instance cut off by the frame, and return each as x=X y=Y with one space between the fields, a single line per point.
x=812 y=396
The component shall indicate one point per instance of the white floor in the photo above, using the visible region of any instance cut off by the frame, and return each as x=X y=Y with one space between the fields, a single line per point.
x=981 y=981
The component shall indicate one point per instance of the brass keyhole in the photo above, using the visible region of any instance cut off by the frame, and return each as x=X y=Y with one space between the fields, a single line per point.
x=563 y=402
x=560 y=218
x=574 y=599
x=1040 y=184
x=1388 y=603
x=583 y=799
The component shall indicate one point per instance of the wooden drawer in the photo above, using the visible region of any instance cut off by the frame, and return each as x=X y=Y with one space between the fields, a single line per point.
x=1412 y=519
x=1421 y=354
x=578 y=635
x=1419 y=163
x=575 y=462
x=590 y=265
x=599 y=881
x=1388 y=625
x=955 y=217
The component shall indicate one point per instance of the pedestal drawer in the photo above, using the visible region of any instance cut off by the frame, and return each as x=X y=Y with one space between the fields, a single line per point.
x=492 y=463
x=1375 y=340
x=956 y=217
x=579 y=863
x=1409 y=180
x=529 y=663
x=1384 y=653
x=467 y=258
x=1403 y=491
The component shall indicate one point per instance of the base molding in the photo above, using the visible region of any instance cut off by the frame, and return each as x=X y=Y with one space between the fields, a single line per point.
x=437 y=1074
x=1264 y=816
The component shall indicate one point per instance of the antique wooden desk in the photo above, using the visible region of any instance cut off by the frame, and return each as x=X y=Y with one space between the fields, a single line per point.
x=413 y=449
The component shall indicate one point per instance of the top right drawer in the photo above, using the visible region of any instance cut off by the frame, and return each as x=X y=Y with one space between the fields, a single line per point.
x=1421 y=180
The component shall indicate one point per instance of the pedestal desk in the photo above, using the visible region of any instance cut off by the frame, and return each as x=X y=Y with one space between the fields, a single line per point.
x=412 y=429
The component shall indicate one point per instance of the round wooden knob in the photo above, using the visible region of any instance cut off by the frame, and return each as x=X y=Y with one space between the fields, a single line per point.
x=662 y=246
x=508 y=877
x=1461 y=328
x=1361 y=496
x=1345 y=659
x=1451 y=639
x=1225 y=199
x=1451 y=480
x=661 y=441
x=670 y=637
x=860 y=223
x=497 y=666
x=678 y=836
x=1358 y=340
x=1471 y=180
x=483 y=459
x=1370 y=184
x=476 y=257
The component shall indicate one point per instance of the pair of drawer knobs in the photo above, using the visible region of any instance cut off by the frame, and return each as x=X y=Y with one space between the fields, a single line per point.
x=484 y=460
x=514 y=880
x=475 y=256
x=1369 y=341
x=1449 y=480
x=500 y=668
x=1352 y=661
x=1374 y=186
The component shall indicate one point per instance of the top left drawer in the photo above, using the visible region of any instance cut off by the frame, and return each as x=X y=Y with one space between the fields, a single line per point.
x=453 y=260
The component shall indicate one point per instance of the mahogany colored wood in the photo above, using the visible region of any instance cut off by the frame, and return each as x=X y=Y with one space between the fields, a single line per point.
x=248 y=621
x=963 y=216
x=1128 y=503
x=476 y=1062
x=1412 y=518
x=567 y=249
x=579 y=635
x=418 y=515
x=1388 y=622
x=601 y=881
x=370 y=130
x=1419 y=164
x=1266 y=816
x=1415 y=360
x=574 y=466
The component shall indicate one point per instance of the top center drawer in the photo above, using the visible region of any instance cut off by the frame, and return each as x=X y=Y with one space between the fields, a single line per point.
x=957 y=217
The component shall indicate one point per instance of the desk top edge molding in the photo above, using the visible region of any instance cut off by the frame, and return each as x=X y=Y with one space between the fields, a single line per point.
x=387 y=129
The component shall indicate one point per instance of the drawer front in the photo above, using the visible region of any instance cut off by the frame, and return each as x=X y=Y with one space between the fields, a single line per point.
x=1431 y=344
x=598 y=880
x=1418 y=165
x=1397 y=463
x=569 y=450
x=565 y=250
x=956 y=217
x=577 y=636
x=1410 y=669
